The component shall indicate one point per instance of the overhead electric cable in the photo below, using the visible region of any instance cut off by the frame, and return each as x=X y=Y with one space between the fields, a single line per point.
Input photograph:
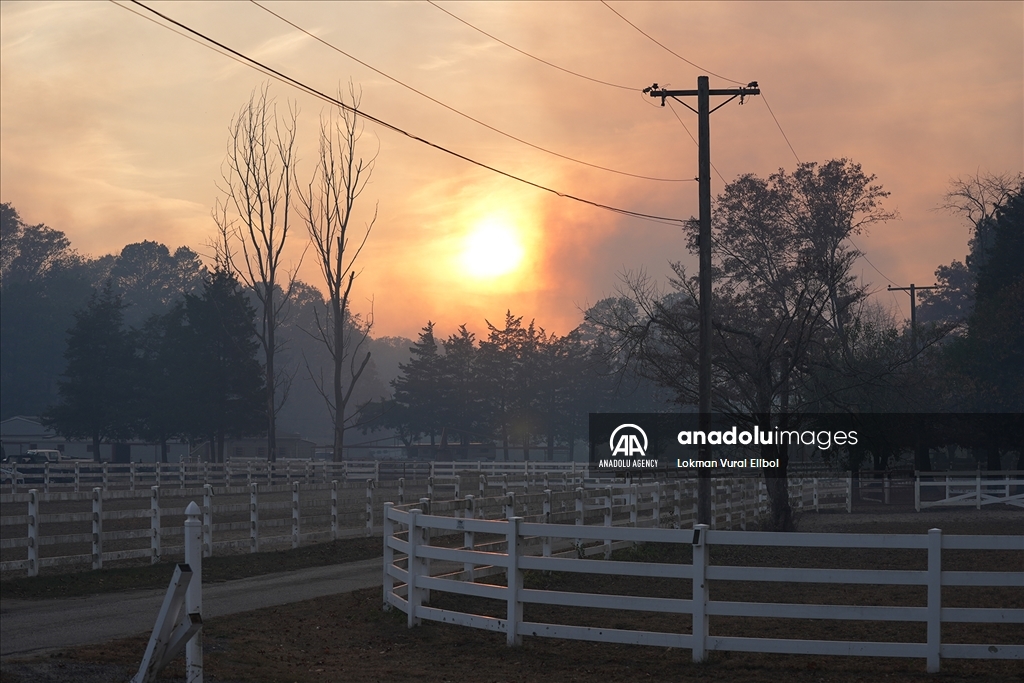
x=456 y=111
x=527 y=54
x=780 y=127
x=668 y=49
x=284 y=78
x=680 y=120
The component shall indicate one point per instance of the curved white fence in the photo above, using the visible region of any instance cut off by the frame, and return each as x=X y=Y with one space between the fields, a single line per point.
x=408 y=581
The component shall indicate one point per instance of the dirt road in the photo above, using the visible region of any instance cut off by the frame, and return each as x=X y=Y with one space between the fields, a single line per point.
x=36 y=625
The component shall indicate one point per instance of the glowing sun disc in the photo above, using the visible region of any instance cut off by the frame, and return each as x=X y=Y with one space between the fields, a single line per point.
x=492 y=249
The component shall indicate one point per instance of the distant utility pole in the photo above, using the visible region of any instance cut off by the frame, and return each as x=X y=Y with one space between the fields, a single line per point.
x=913 y=289
x=703 y=111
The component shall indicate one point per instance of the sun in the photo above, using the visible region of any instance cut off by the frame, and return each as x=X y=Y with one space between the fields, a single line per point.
x=492 y=249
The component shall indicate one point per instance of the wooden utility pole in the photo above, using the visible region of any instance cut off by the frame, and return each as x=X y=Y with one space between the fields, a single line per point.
x=703 y=93
x=913 y=289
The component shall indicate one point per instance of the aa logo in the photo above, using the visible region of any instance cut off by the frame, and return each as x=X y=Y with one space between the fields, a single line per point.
x=628 y=440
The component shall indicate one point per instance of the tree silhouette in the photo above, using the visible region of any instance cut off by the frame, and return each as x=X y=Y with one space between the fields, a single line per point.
x=96 y=392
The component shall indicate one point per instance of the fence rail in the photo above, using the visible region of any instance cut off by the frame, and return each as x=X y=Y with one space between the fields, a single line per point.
x=408 y=587
x=101 y=526
x=970 y=489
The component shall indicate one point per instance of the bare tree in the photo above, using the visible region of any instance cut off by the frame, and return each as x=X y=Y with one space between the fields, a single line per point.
x=340 y=177
x=255 y=212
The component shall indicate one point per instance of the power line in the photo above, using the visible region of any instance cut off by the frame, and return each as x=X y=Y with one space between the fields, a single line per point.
x=665 y=47
x=527 y=54
x=864 y=256
x=277 y=75
x=780 y=128
x=680 y=120
x=668 y=49
x=456 y=111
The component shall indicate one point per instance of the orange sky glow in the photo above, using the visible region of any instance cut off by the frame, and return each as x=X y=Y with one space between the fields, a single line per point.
x=113 y=129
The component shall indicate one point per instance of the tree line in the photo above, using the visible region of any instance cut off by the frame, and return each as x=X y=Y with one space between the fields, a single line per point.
x=519 y=387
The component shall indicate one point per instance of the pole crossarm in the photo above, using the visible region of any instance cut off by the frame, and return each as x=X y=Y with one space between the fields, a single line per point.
x=732 y=93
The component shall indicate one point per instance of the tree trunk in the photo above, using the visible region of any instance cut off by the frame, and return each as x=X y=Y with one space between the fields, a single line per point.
x=780 y=514
x=338 y=313
x=269 y=323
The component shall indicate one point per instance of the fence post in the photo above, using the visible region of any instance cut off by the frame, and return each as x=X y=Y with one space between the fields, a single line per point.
x=105 y=474
x=504 y=484
x=657 y=505
x=430 y=486
x=714 y=503
x=78 y=475
x=814 y=494
x=389 y=555
x=181 y=476
x=700 y=591
x=608 y=510
x=579 y=516
x=413 y=595
x=254 y=517
x=917 y=490
x=97 y=528
x=977 y=490
x=296 y=519
x=510 y=505
x=131 y=476
x=154 y=524
x=334 y=509
x=743 y=504
x=458 y=488
x=483 y=484
x=728 y=505
x=194 y=593
x=934 y=599
x=207 y=520
x=33 y=532
x=633 y=505
x=677 y=511
x=369 y=507
x=514 y=581
x=849 y=493
x=401 y=490
x=546 y=541
x=468 y=539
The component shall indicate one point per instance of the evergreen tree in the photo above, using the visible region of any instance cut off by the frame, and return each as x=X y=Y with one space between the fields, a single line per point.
x=225 y=376
x=96 y=392
x=415 y=407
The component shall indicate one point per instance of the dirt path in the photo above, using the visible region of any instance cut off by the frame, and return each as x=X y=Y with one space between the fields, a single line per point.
x=36 y=625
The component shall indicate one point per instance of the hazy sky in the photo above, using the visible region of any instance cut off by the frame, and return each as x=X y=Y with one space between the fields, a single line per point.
x=114 y=129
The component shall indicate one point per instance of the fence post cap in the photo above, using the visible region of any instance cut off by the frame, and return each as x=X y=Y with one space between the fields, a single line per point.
x=193 y=510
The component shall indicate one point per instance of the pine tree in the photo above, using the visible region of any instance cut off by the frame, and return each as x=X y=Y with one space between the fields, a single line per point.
x=96 y=392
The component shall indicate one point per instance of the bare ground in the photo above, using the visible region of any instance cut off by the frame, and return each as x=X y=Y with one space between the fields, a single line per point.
x=349 y=638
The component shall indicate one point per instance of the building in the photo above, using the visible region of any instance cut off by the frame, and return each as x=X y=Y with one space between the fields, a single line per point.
x=22 y=433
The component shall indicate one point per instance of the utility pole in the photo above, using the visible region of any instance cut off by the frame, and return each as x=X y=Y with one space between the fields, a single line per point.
x=703 y=93
x=913 y=289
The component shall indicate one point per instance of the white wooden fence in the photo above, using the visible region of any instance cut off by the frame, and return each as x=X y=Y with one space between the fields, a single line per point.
x=126 y=524
x=82 y=475
x=407 y=535
x=318 y=512
x=969 y=489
